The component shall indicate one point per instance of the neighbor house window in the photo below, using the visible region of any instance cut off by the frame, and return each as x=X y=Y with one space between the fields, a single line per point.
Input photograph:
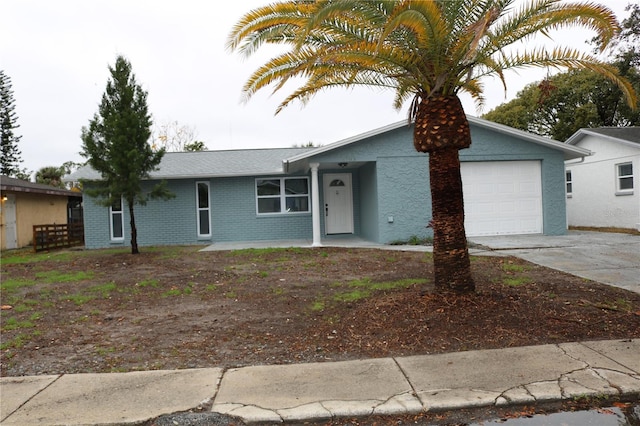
x=569 y=182
x=282 y=195
x=203 y=209
x=117 y=220
x=624 y=178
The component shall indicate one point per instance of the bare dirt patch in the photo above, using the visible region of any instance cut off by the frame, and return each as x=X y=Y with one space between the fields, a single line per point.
x=176 y=307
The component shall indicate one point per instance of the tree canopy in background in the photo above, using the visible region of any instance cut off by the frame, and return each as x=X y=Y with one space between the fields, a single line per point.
x=116 y=144
x=560 y=105
x=51 y=175
x=172 y=136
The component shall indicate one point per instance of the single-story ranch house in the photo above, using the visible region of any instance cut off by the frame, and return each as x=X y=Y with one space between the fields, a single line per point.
x=603 y=190
x=374 y=186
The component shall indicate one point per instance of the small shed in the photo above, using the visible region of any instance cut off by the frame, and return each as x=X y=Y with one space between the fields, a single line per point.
x=25 y=204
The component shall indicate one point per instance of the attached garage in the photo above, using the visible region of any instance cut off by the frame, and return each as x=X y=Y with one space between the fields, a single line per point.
x=502 y=197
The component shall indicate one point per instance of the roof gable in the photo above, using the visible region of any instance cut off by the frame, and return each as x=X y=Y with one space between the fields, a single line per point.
x=569 y=152
x=625 y=135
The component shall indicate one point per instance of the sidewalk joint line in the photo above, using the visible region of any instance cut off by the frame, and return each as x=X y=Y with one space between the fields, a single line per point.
x=406 y=377
x=31 y=397
x=610 y=359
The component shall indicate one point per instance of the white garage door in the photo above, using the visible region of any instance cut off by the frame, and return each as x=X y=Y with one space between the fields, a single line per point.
x=502 y=197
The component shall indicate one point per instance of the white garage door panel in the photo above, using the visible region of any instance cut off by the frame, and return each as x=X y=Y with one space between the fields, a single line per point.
x=502 y=197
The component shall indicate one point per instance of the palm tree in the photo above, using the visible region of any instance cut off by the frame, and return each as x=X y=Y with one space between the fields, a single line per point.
x=51 y=175
x=427 y=52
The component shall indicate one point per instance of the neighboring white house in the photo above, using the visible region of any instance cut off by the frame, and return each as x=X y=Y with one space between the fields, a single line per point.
x=603 y=190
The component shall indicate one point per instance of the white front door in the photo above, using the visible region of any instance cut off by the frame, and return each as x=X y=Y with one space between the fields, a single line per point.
x=338 y=203
x=10 y=231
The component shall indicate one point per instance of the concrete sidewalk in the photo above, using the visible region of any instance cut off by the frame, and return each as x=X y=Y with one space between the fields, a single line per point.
x=291 y=393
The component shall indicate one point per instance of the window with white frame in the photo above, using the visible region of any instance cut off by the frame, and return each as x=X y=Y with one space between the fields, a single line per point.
x=282 y=195
x=203 y=209
x=624 y=178
x=116 y=222
x=568 y=182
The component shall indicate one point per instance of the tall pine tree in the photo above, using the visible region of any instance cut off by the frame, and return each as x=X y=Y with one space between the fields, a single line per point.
x=10 y=160
x=116 y=145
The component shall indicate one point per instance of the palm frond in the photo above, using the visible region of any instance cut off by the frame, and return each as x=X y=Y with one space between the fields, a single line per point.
x=417 y=48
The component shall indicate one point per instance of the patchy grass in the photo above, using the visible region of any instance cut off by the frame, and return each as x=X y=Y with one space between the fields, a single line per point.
x=11 y=285
x=511 y=267
x=284 y=305
x=259 y=253
x=26 y=255
x=63 y=277
x=516 y=281
x=152 y=282
x=364 y=288
x=79 y=299
x=104 y=289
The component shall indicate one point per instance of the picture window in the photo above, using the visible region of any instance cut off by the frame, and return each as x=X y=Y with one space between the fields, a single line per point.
x=282 y=195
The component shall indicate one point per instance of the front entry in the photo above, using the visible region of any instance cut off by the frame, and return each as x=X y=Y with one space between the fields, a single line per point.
x=338 y=203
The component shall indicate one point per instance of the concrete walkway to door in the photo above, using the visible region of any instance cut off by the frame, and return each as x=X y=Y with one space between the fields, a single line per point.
x=609 y=258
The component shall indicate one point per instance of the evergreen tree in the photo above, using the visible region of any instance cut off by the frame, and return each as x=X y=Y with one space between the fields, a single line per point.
x=116 y=145
x=10 y=160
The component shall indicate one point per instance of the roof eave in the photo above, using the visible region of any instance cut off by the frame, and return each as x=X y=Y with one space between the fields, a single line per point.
x=581 y=133
x=570 y=152
x=344 y=142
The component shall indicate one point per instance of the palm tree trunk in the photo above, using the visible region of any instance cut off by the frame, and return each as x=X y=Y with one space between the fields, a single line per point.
x=451 y=265
x=134 y=231
x=441 y=129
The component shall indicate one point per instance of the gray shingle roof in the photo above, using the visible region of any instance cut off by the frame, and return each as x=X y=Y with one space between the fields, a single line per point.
x=630 y=134
x=207 y=164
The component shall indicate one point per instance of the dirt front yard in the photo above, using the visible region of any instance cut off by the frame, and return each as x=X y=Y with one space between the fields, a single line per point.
x=175 y=307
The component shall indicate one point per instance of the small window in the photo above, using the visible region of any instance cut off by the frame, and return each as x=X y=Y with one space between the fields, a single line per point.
x=282 y=195
x=624 y=178
x=569 y=182
x=117 y=221
x=203 y=209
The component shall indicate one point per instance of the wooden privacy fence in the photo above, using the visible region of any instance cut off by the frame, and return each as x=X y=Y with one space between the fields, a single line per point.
x=46 y=237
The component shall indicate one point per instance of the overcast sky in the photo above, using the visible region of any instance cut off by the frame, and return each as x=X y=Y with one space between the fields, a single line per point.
x=57 y=55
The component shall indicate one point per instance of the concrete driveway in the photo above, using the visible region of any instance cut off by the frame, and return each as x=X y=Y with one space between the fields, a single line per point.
x=604 y=257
